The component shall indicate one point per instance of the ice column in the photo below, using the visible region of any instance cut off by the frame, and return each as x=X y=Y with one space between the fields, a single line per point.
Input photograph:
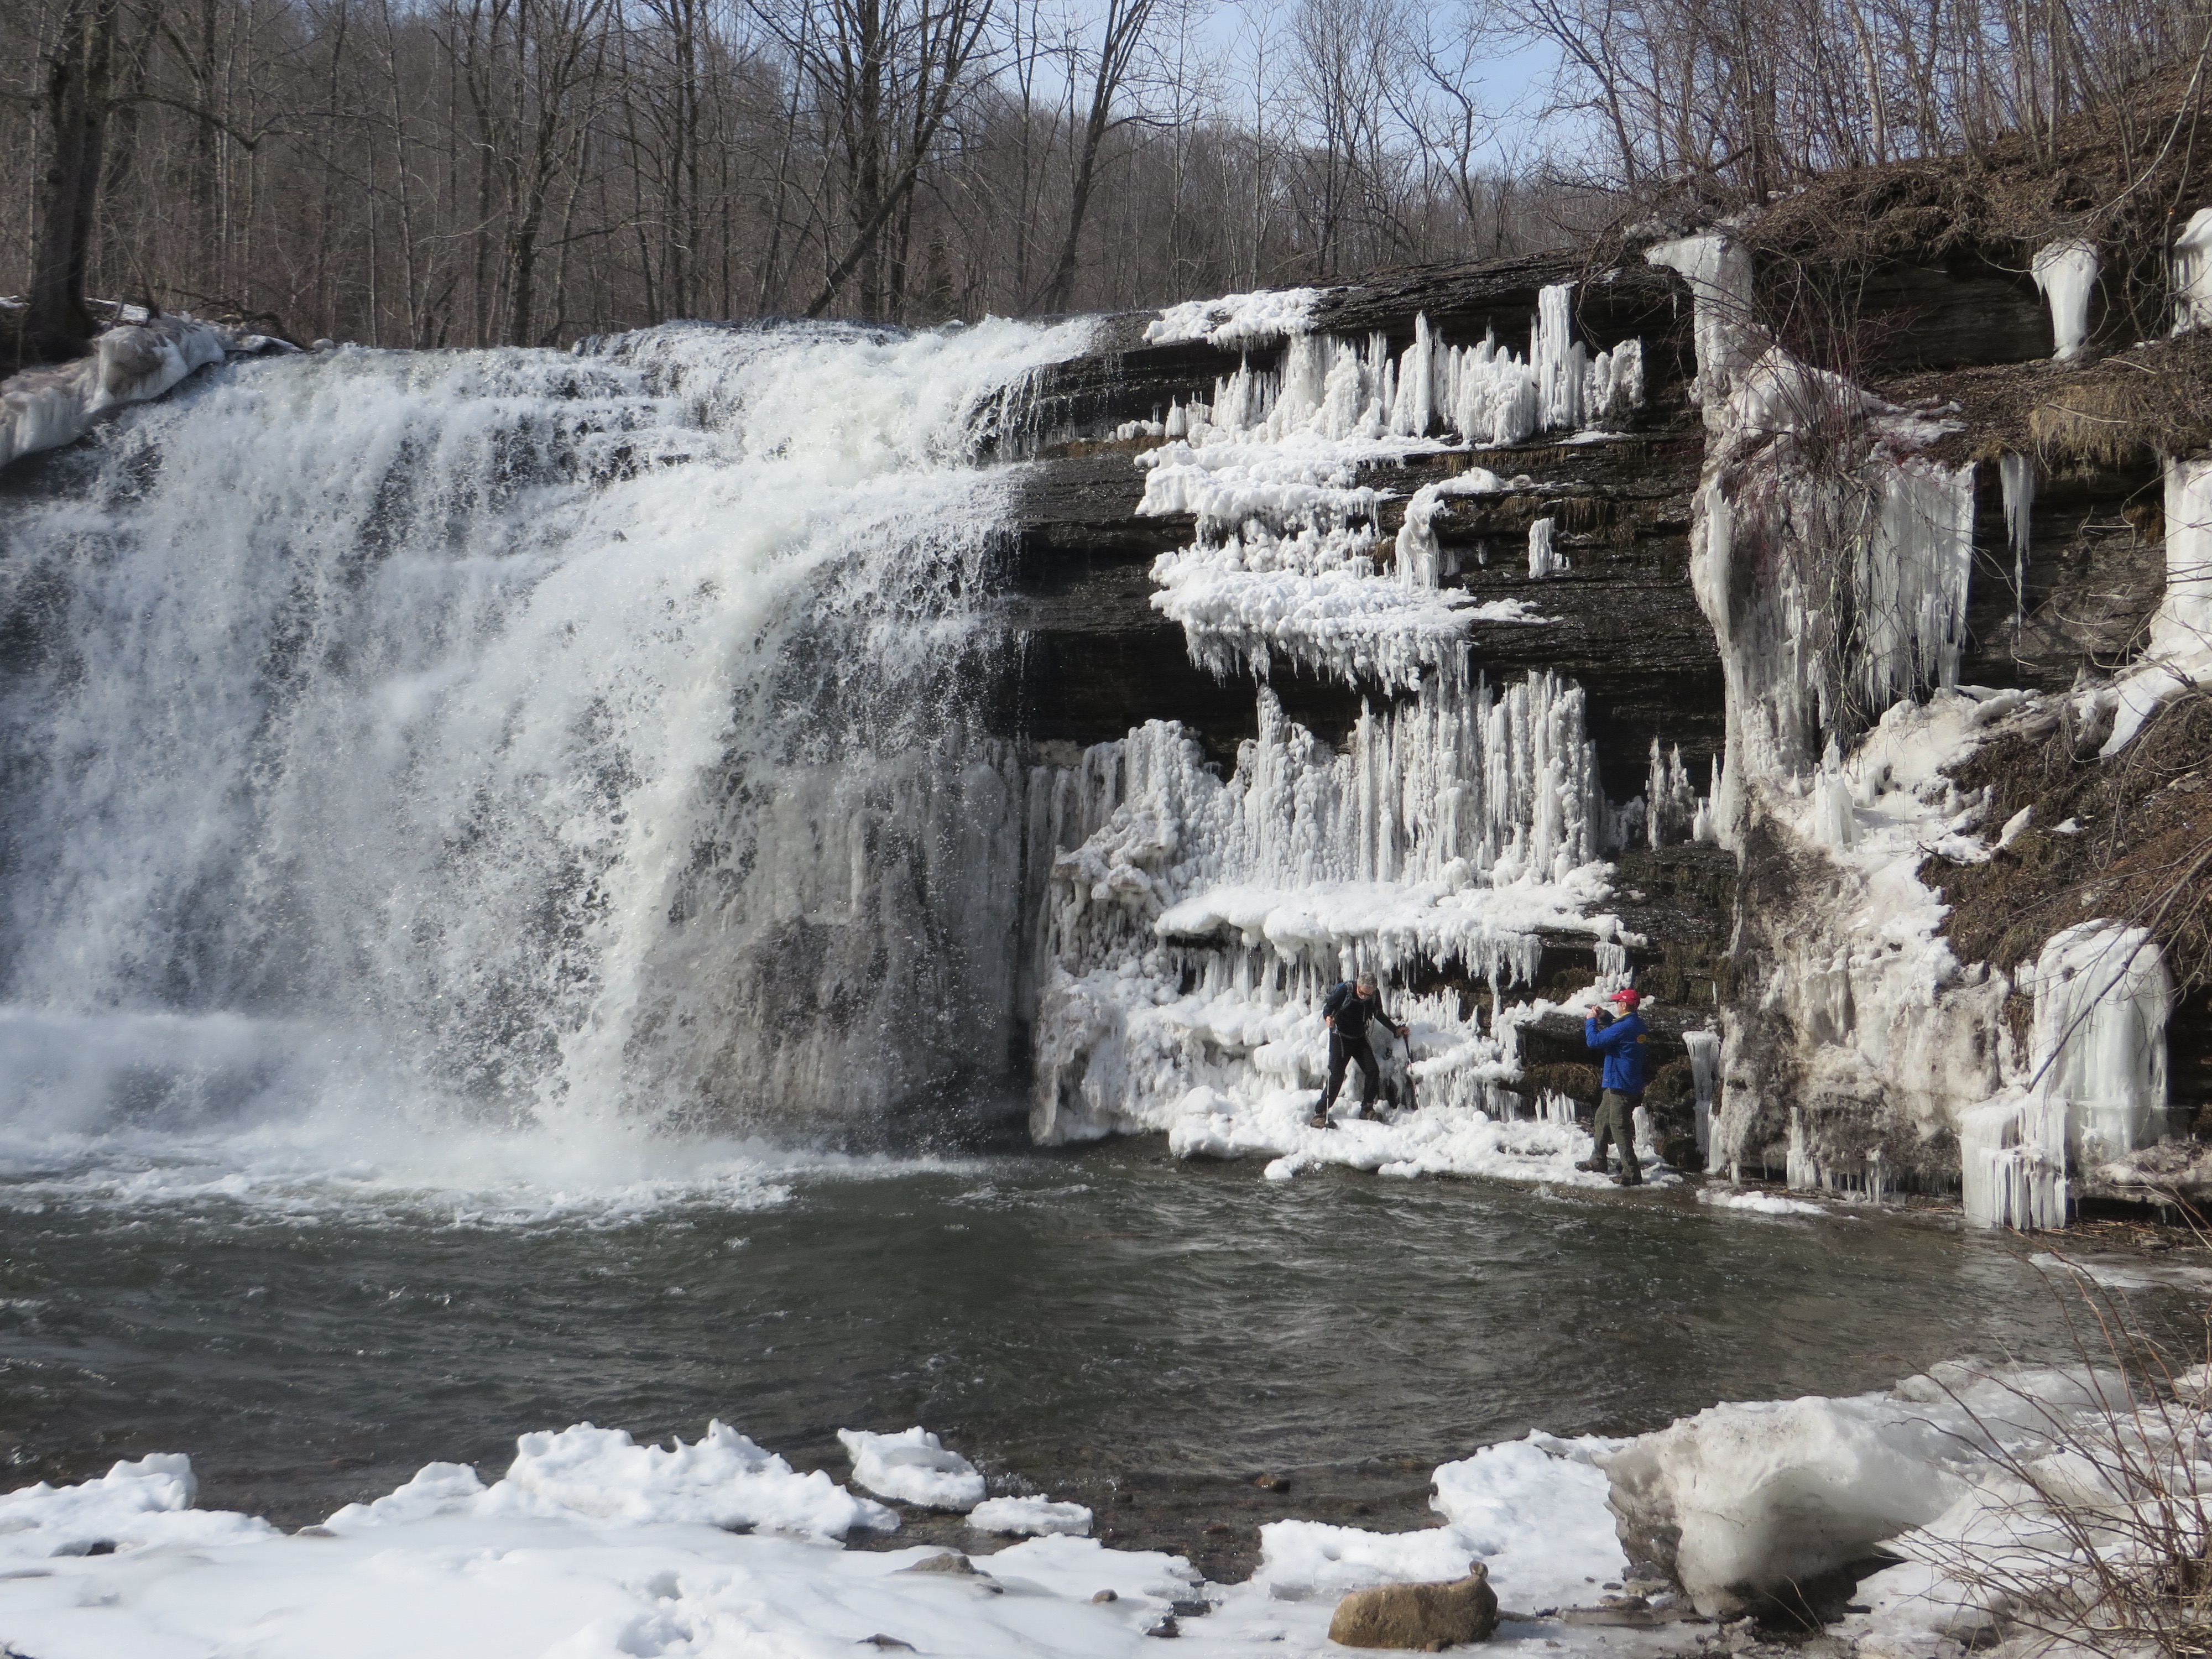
x=1704 y=1049
x=2012 y=1164
x=2098 y=1086
x=2066 y=272
x=2192 y=273
x=2016 y=472
x=1720 y=277
x=1560 y=364
x=1542 y=560
x=2102 y=995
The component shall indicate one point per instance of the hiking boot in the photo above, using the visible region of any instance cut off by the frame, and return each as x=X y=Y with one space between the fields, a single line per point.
x=1318 y=1120
x=1591 y=1167
x=1628 y=1181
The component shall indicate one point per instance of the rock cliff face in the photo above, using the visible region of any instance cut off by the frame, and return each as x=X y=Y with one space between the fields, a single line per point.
x=1751 y=738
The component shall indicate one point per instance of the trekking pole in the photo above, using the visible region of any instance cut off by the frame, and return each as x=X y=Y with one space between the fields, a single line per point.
x=1412 y=1103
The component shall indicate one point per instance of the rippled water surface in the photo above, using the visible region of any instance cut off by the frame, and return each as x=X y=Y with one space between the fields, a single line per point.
x=1108 y=1324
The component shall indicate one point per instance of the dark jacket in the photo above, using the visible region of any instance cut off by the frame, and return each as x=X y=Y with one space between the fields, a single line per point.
x=1623 y=1043
x=1351 y=1013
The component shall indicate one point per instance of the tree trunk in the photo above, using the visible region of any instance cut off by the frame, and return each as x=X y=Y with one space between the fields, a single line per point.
x=58 y=324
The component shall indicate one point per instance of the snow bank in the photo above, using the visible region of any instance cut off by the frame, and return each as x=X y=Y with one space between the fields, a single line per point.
x=912 y=1467
x=441 y=1569
x=1032 y=1516
x=134 y=1505
x=722 y=1479
x=610 y=1551
x=1236 y=320
x=45 y=408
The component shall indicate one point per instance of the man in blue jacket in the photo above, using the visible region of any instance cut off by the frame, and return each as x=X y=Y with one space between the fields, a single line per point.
x=1623 y=1042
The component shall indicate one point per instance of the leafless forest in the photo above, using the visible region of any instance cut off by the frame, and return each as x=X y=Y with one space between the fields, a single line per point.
x=463 y=171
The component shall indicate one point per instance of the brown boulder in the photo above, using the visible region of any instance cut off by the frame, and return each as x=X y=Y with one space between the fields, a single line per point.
x=1425 y=1617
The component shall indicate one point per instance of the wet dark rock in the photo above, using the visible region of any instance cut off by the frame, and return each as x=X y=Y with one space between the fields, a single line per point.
x=1163 y=1626
x=880 y=1640
x=1419 y=1617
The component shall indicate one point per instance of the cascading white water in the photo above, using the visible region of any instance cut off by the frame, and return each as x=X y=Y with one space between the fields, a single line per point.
x=517 y=737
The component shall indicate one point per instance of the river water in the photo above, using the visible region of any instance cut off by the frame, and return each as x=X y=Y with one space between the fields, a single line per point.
x=1107 y=1324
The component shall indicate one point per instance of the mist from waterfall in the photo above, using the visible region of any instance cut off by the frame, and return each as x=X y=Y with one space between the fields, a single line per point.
x=589 y=743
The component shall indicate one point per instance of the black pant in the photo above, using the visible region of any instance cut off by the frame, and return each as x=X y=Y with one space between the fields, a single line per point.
x=1344 y=1051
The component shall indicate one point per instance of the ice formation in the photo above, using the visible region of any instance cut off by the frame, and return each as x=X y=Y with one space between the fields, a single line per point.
x=912 y=1467
x=2016 y=477
x=1746 y=1500
x=1236 y=319
x=1840 y=651
x=1704 y=1049
x=1544 y=560
x=1190 y=925
x=1723 y=327
x=2192 y=273
x=2180 y=652
x=45 y=408
x=2094 y=1087
x=1196 y=922
x=2066 y=273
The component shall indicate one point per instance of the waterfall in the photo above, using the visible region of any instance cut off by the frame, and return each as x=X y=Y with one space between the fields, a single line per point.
x=521 y=738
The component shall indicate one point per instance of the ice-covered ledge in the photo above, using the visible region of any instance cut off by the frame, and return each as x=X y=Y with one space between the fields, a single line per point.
x=45 y=408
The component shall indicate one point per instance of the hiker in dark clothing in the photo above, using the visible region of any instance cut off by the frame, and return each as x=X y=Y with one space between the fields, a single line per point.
x=1623 y=1042
x=1349 y=1011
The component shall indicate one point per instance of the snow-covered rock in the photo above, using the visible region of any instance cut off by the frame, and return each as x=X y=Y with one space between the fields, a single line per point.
x=912 y=1467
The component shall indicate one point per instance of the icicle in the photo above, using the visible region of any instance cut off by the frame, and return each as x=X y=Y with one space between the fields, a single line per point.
x=2016 y=472
x=2066 y=272
x=1542 y=560
x=1704 y=1049
x=1559 y=363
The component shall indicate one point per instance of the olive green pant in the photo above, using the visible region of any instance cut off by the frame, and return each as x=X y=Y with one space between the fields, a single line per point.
x=1616 y=1122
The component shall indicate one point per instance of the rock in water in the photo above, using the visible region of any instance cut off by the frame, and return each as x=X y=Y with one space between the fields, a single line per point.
x=1427 y=1617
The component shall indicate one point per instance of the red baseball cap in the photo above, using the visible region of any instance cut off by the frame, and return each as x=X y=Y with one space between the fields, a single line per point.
x=1628 y=995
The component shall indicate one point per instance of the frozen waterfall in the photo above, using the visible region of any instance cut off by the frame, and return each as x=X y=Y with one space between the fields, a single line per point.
x=516 y=736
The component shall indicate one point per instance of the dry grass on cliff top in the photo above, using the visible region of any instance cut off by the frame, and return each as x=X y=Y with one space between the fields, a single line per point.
x=2132 y=407
x=2127 y=164
x=2142 y=856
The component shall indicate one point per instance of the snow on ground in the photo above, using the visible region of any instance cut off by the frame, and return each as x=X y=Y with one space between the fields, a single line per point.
x=1455 y=1140
x=593 y=1547
x=623 y=1565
